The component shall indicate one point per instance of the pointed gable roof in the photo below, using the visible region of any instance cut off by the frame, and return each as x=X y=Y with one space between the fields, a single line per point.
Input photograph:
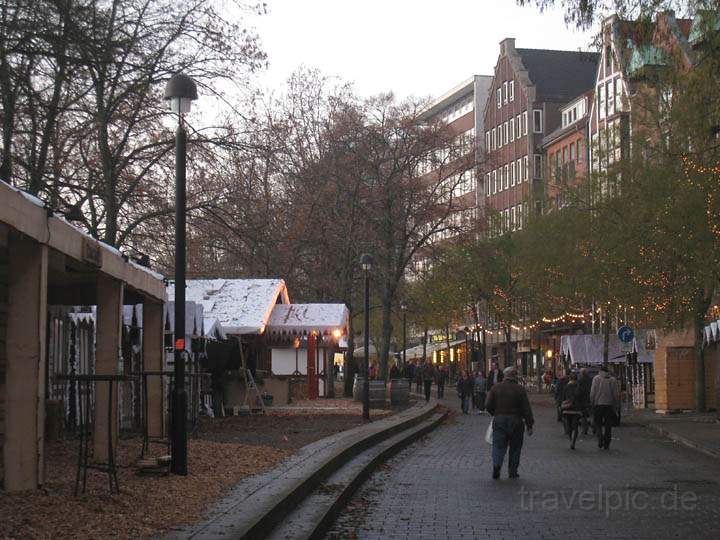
x=560 y=75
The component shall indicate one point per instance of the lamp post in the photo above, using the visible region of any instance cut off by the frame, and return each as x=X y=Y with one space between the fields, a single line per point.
x=403 y=308
x=366 y=265
x=180 y=91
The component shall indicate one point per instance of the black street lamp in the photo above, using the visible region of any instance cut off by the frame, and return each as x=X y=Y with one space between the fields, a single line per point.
x=366 y=265
x=403 y=308
x=180 y=91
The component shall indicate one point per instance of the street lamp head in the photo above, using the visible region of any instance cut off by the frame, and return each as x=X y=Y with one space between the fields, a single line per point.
x=180 y=91
x=366 y=262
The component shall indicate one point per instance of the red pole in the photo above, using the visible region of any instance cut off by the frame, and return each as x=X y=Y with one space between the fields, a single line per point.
x=311 y=372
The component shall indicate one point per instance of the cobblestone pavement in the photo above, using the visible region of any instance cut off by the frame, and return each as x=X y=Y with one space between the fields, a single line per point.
x=440 y=487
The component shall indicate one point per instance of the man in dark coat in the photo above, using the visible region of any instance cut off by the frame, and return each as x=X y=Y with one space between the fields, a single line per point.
x=584 y=383
x=494 y=377
x=428 y=375
x=508 y=403
x=441 y=380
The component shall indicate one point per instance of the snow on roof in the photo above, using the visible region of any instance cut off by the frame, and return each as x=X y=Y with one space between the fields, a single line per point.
x=240 y=306
x=302 y=318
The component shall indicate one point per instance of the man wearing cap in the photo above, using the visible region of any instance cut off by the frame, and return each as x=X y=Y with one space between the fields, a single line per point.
x=508 y=403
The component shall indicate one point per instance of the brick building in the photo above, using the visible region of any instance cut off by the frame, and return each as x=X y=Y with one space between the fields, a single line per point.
x=530 y=88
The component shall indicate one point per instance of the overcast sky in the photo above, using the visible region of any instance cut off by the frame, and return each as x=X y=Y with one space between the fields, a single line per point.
x=412 y=47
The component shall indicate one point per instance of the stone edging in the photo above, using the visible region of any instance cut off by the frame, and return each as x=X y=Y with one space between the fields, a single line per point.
x=254 y=511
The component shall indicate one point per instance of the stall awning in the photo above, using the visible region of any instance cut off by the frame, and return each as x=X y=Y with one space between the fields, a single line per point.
x=302 y=319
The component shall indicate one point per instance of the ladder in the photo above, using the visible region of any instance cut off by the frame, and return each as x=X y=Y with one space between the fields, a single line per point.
x=251 y=389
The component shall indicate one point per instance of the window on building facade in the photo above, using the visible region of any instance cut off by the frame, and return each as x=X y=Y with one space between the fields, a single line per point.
x=492 y=137
x=518 y=126
x=512 y=130
x=525 y=122
x=487 y=141
x=505 y=92
x=520 y=216
x=506 y=133
x=488 y=187
x=572 y=151
x=608 y=59
x=526 y=168
x=537 y=121
x=512 y=218
x=618 y=95
x=538 y=166
x=580 y=151
x=499 y=136
x=601 y=101
x=518 y=169
x=499 y=98
x=506 y=177
x=512 y=174
x=564 y=154
x=494 y=181
x=512 y=90
x=507 y=219
x=610 y=93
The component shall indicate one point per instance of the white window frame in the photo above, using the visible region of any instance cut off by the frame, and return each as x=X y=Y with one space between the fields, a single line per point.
x=500 y=179
x=537 y=114
x=487 y=141
x=512 y=90
x=505 y=92
x=526 y=166
x=506 y=133
x=525 y=123
x=601 y=101
x=512 y=218
x=506 y=176
x=498 y=95
x=488 y=187
x=511 y=124
x=494 y=181
x=512 y=174
x=518 y=167
x=492 y=137
x=518 y=126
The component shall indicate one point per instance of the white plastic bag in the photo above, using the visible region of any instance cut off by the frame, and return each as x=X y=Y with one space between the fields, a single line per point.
x=489 y=433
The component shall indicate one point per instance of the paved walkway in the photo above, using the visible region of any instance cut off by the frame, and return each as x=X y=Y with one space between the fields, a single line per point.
x=646 y=486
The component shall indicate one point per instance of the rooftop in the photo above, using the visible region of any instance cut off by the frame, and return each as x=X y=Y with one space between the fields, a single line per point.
x=560 y=75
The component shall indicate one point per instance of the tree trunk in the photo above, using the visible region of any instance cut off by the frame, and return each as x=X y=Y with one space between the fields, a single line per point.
x=386 y=336
x=606 y=337
x=699 y=354
x=425 y=336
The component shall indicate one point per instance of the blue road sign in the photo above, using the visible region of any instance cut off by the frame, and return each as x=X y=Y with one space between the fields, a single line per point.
x=626 y=334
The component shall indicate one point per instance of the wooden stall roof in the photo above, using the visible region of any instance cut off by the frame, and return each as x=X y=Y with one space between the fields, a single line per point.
x=28 y=215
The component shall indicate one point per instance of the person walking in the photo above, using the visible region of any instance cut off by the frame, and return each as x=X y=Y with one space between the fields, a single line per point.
x=428 y=376
x=441 y=380
x=409 y=373
x=419 y=378
x=585 y=382
x=508 y=403
x=465 y=390
x=605 y=399
x=494 y=377
x=480 y=389
x=571 y=406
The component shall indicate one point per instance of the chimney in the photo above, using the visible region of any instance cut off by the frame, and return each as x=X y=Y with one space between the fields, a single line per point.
x=507 y=46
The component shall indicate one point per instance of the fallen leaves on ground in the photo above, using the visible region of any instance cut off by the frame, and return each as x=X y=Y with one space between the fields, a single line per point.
x=146 y=505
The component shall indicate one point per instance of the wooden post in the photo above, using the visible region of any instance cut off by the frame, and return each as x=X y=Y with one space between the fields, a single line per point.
x=24 y=448
x=153 y=350
x=109 y=321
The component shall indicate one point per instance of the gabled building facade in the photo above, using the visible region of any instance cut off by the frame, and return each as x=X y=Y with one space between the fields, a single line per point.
x=530 y=87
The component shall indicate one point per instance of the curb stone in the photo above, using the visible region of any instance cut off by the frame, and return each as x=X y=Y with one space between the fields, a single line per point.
x=259 y=503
